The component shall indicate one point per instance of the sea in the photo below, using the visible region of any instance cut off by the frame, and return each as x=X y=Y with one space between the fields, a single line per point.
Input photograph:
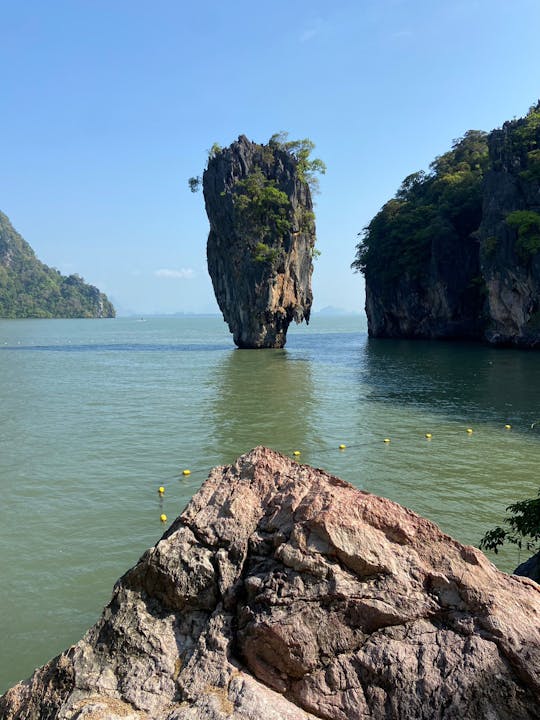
x=96 y=415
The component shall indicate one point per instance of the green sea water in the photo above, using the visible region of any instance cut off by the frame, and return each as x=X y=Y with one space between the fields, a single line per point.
x=97 y=414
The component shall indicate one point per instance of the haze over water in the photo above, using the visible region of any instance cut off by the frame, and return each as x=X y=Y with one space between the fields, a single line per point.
x=97 y=414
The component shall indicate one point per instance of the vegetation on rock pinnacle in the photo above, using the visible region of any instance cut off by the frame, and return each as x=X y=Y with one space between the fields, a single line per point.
x=262 y=235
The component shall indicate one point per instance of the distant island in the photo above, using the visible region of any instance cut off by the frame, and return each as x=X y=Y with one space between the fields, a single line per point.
x=456 y=252
x=31 y=289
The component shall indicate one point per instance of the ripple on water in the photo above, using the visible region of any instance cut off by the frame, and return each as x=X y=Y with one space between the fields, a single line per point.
x=96 y=415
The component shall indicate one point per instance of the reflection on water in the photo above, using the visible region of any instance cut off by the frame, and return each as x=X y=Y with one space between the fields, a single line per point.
x=96 y=415
x=464 y=380
x=462 y=481
x=260 y=398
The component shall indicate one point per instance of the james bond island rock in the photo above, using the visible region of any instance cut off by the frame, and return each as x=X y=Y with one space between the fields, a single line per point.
x=262 y=236
x=456 y=254
x=283 y=593
x=30 y=289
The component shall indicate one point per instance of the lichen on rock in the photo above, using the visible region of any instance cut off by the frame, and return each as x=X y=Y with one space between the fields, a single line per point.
x=284 y=593
x=261 y=240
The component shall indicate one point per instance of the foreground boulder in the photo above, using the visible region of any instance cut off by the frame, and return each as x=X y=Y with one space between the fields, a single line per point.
x=283 y=593
x=530 y=568
x=261 y=241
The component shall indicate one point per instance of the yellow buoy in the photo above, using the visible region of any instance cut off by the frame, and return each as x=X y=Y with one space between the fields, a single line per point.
x=508 y=427
x=186 y=472
x=469 y=430
x=342 y=447
x=296 y=453
x=163 y=517
x=386 y=440
x=428 y=436
x=161 y=490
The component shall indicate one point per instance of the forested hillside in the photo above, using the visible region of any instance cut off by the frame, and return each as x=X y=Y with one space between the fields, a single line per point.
x=30 y=289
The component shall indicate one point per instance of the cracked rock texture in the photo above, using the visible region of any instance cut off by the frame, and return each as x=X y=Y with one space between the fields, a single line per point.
x=283 y=593
x=512 y=277
x=484 y=282
x=259 y=291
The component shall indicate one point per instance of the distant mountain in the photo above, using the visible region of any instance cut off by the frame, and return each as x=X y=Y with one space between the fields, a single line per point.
x=30 y=289
x=331 y=310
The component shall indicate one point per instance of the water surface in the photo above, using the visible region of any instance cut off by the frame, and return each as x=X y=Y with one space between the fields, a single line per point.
x=97 y=414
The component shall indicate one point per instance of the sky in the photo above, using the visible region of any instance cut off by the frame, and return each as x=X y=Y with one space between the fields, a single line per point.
x=107 y=107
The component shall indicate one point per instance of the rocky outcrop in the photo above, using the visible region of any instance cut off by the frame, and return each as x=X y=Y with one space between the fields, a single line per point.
x=530 y=568
x=456 y=254
x=443 y=304
x=510 y=261
x=283 y=593
x=261 y=240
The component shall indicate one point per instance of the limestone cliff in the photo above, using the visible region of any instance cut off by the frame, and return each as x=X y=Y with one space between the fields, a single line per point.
x=283 y=593
x=261 y=240
x=442 y=303
x=457 y=252
x=510 y=233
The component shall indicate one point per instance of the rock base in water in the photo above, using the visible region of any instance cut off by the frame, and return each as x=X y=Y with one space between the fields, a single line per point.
x=261 y=241
x=283 y=593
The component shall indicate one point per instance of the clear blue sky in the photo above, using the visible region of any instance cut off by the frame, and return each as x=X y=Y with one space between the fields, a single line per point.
x=108 y=106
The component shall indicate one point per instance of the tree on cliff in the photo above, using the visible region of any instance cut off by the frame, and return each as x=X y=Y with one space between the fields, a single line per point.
x=445 y=203
x=307 y=167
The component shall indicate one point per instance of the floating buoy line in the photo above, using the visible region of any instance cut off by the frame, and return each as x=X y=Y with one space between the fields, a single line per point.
x=321 y=450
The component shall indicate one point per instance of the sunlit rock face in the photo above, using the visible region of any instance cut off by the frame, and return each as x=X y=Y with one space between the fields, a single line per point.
x=284 y=593
x=261 y=240
x=510 y=257
x=478 y=275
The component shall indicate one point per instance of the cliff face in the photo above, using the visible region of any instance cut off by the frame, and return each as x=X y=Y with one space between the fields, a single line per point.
x=283 y=593
x=444 y=303
x=261 y=240
x=510 y=235
x=30 y=289
x=462 y=244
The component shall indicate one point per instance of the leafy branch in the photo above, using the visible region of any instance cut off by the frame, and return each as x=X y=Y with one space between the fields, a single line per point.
x=523 y=527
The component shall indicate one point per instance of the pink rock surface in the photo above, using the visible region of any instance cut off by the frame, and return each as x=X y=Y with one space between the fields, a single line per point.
x=283 y=593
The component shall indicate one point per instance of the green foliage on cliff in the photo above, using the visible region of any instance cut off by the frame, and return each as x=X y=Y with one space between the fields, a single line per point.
x=261 y=208
x=527 y=225
x=262 y=253
x=214 y=150
x=526 y=131
x=522 y=527
x=308 y=168
x=443 y=205
x=30 y=289
x=263 y=214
